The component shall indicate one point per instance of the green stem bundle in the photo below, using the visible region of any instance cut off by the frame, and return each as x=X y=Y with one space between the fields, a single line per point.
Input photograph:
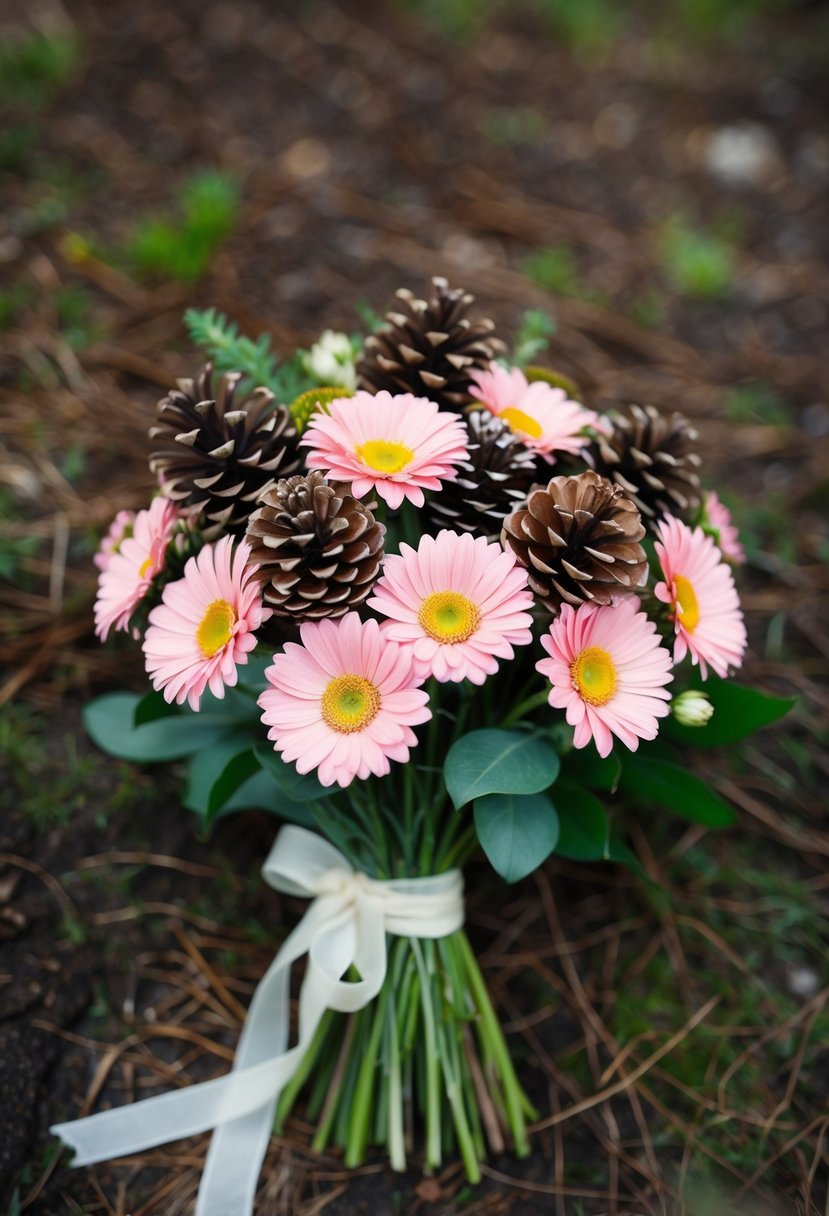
x=428 y=1050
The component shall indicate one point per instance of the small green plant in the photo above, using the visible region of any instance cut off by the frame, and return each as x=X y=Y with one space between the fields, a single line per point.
x=698 y=263
x=724 y=18
x=460 y=20
x=647 y=310
x=587 y=27
x=17 y=140
x=13 y=300
x=534 y=333
x=554 y=269
x=14 y=550
x=35 y=68
x=512 y=127
x=758 y=404
x=73 y=304
x=183 y=247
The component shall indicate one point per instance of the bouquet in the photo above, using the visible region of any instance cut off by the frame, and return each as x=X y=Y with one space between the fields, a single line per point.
x=418 y=600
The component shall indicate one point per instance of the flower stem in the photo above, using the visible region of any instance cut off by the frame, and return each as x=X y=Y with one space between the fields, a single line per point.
x=433 y=1128
x=490 y=1028
x=329 y=1110
x=524 y=707
x=306 y=1064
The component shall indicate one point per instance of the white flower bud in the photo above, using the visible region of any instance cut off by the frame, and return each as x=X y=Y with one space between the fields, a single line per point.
x=330 y=361
x=692 y=708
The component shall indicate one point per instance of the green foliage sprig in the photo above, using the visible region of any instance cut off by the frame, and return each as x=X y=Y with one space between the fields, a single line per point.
x=229 y=350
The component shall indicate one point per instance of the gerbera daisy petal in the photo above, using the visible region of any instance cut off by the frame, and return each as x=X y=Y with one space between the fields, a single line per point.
x=607 y=670
x=205 y=625
x=458 y=602
x=700 y=592
x=130 y=568
x=395 y=446
x=366 y=697
x=543 y=417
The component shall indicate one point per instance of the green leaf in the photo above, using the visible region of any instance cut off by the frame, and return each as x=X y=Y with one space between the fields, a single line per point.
x=738 y=710
x=214 y=789
x=498 y=762
x=516 y=831
x=110 y=722
x=237 y=770
x=261 y=793
x=205 y=769
x=153 y=706
x=585 y=833
x=296 y=786
x=670 y=785
x=584 y=766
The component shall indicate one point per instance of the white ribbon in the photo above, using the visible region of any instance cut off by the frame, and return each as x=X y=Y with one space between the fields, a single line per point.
x=346 y=925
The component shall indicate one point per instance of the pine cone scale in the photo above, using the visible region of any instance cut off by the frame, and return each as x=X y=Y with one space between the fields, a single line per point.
x=429 y=343
x=651 y=457
x=578 y=540
x=216 y=455
x=319 y=550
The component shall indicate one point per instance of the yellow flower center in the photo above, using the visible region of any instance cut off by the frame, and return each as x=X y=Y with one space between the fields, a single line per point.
x=686 y=602
x=216 y=628
x=146 y=566
x=349 y=703
x=448 y=616
x=384 y=455
x=594 y=675
x=518 y=421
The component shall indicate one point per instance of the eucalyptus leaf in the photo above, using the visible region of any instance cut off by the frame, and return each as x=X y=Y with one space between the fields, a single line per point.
x=738 y=711
x=260 y=793
x=516 y=831
x=235 y=773
x=661 y=783
x=110 y=722
x=499 y=762
x=153 y=706
x=585 y=832
x=205 y=769
x=298 y=787
x=228 y=778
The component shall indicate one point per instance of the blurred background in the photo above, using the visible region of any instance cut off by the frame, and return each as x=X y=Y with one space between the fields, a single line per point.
x=651 y=179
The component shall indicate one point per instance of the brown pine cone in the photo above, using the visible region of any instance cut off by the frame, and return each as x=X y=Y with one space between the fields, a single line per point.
x=652 y=458
x=491 y=482
x=217 y=455
x=579 y=541
x=429 y=348
x=319 y=549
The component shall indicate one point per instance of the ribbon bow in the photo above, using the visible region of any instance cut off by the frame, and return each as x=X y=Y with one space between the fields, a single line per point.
x=346 y=925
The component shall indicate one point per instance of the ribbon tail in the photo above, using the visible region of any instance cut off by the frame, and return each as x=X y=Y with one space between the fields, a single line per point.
x=234 y=1162
x=238 y=1146
x=171 y=1116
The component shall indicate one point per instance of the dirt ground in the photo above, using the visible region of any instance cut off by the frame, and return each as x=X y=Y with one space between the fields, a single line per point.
x=540 y=166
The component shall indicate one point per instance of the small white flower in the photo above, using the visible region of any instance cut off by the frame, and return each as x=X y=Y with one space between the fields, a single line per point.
x=692 y=708
x=330 y=361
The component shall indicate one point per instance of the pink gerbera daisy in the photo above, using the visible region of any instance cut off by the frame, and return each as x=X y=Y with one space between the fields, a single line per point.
x=343 y=702
x=608 y=670
x=458 y=602
x=717 y=523
x=126 y=578
x=205 y=624
x=542 y=416
x=700 y=589
x=398 y=446
x=120 y=528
